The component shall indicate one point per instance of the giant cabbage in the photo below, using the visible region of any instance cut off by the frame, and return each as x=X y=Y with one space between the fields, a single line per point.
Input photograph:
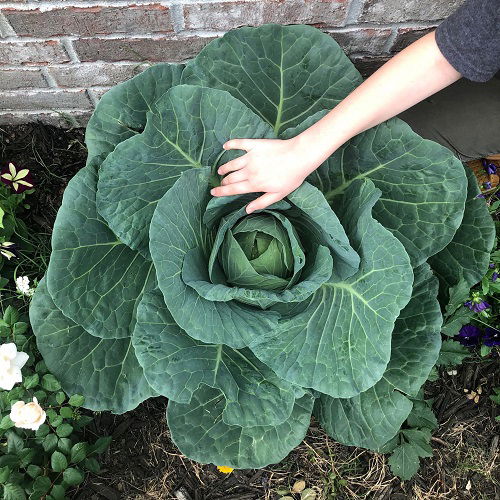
x=326 y=301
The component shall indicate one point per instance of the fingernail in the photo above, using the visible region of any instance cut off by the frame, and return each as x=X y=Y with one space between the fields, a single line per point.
x=212 y=192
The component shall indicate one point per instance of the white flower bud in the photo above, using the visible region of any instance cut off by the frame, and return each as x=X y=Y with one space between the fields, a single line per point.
x=27 y=416
x=23 y=286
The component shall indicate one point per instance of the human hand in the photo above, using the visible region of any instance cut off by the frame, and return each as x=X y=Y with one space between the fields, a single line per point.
x=275 y=167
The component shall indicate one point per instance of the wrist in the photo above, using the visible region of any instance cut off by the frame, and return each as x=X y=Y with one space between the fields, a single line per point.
x=315 y=145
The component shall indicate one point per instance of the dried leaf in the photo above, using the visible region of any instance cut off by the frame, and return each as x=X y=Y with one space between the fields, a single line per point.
x=298 y=487
x=308 y=494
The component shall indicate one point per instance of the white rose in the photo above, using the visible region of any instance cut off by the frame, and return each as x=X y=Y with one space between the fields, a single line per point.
x=27 y=416
x=11 y=363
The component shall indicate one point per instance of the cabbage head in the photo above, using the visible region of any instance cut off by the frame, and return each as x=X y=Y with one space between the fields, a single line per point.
x=327 y=302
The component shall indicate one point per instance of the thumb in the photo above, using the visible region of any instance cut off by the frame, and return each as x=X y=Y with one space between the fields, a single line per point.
x=245 y=144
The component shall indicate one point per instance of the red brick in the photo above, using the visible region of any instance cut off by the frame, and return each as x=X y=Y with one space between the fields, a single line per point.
x=369 y=40
x=140 y=49
x=368 y=65
x=100 y=92
x=388 y=11
x=32 y=52
x=45 y=99
x=406 y=36
x=223 y=16
x=94 y=74
x=89 y=21
x=13 y=79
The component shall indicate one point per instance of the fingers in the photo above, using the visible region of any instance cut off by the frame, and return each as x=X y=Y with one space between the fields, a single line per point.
x=263 y=201
x=232 y=165
x=238 y=176
x=238 y=188
x=245 y=144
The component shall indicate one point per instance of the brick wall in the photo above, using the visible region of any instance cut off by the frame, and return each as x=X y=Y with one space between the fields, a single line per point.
x=57 y=57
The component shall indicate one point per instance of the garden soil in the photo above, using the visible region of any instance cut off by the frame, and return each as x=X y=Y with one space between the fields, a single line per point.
x=143 y=463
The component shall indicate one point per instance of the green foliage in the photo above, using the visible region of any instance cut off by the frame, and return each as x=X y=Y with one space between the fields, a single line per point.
x=12 y=205
x=412 y=442
x=452 y=353
x=472 y=316
x=327 y=300
x=54 y=458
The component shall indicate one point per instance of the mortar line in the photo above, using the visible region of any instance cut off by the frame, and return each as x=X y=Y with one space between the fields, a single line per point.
x=117 y=36
x=43 y=110
x=71 y=65
x=51 y=81
x=354 y=11
x=44 y=90
x=6 y=30
x=70 y=50
x=390 y=41
x=92 y=96
x=177 y=17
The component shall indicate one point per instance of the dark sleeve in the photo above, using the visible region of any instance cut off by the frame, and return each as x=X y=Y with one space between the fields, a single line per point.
x=469 y=39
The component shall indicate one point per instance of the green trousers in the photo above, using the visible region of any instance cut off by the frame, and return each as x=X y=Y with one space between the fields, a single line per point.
x=464 y=117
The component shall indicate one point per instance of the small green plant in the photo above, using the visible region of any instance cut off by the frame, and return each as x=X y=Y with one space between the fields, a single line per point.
x=42 y=453
x=15 y=185
x=412 y=442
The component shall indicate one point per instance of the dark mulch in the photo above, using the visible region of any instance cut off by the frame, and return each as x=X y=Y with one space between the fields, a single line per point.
x=53 y=156
x=143 y=463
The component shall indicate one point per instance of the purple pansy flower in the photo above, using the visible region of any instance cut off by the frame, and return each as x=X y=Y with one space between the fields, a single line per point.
x=491 y=168
x=487 y=185
x=491 y=337
x=477 y=306
x=492 y=266
x=480 y=195
x=494 y=277
x=468 y=335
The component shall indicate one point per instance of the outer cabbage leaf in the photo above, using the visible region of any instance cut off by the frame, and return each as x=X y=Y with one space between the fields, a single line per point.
x=282 y=73
x=121 y=112
x=338 y=341
x=105 y=372
x=175 y=365
x=186 y=130
x=423 y=185
x=373 y=417
x=200 y=433
x=467 y=255
x=93 y=278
